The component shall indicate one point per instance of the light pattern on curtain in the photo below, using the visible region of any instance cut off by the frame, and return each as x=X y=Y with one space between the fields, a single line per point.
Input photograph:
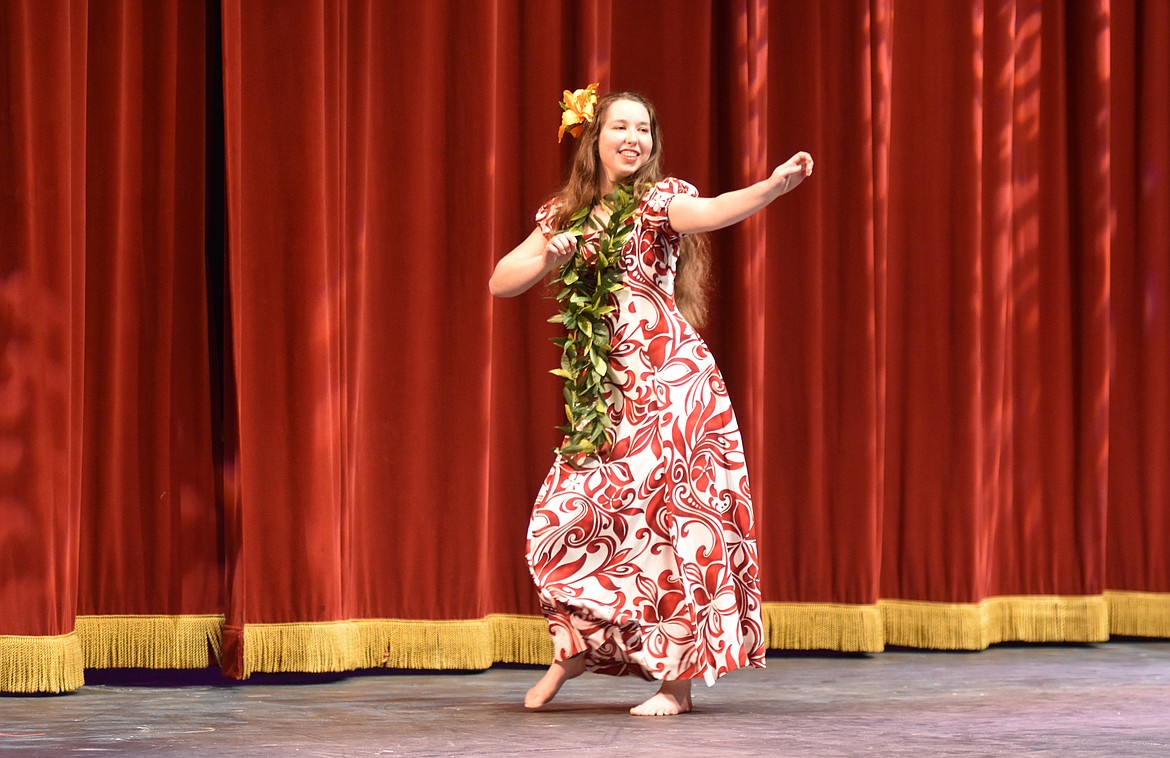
x=257 y=406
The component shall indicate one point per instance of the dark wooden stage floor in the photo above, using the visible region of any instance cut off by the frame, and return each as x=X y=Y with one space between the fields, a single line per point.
x=1101 y=700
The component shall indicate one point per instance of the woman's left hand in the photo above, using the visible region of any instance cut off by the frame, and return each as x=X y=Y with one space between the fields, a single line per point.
x=793 y=171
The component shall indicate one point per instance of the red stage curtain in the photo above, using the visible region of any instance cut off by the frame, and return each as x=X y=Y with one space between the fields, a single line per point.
x=42 y=317
x=1138 y=516
x=149 y=578
x=110 y=550
x=997 y=325
x=360 y=188
x=948 y=351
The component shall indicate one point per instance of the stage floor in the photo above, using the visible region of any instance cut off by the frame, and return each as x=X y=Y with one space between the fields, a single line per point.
x=1075 y=700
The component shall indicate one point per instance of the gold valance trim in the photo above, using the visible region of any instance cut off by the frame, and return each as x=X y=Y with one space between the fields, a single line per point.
x=151 y=642
x=41 y=664
x=56 y=664
x=975 y=626
x=1139 y=614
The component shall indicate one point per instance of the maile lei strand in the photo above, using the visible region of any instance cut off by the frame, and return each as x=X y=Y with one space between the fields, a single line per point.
x=587 y=282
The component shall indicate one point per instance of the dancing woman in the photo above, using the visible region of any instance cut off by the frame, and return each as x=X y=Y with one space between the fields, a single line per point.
x=641 y=539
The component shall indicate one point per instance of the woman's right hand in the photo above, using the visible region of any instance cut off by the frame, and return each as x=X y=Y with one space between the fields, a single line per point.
x=531 y=261
x=560 y=248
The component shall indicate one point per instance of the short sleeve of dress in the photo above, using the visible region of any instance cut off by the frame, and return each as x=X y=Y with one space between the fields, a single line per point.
x=656 y=204
x=546 y=217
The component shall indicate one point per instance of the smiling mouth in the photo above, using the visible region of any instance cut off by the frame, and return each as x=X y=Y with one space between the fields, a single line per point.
x=631 y=154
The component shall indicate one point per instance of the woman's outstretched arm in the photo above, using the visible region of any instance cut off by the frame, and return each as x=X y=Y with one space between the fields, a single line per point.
x=531 y=261
x=692 y=215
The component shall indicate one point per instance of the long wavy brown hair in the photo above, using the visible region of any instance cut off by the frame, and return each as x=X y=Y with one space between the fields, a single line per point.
x=692 y=279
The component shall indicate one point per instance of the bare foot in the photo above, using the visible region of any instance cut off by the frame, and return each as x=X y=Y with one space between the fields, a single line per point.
x=673 y=698
x=558 y=673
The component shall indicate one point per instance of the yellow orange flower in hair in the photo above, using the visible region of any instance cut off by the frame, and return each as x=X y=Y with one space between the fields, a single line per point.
x=578 y=108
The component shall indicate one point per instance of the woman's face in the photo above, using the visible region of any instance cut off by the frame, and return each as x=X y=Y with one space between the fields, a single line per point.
x=624 y=142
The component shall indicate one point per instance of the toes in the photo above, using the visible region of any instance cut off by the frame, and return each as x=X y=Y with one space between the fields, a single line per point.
x=657 y=706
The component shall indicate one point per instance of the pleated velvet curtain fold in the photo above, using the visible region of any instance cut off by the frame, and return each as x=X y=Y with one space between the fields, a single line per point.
x=109 y=543
x=303 y=437
x=1138 y=516
x=42 y=307
x=997 y=358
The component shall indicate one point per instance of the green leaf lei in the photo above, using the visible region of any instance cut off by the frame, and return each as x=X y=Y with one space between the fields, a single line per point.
x=588 y=283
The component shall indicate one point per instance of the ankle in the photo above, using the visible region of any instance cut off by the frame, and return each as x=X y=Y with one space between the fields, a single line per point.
x=574 y=664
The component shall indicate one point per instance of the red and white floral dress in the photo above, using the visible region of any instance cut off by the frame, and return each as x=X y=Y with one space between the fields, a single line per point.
x=646 y=559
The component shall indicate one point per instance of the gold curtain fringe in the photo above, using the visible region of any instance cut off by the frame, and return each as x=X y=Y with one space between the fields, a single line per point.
x=823 y=626
x=396 y=643
x=41 y=664
x=521 y=639
x=56 y=664
x=311 y=647
x=152 y=642
x=402 y=644
x=975 y=626
x=1139 y=614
